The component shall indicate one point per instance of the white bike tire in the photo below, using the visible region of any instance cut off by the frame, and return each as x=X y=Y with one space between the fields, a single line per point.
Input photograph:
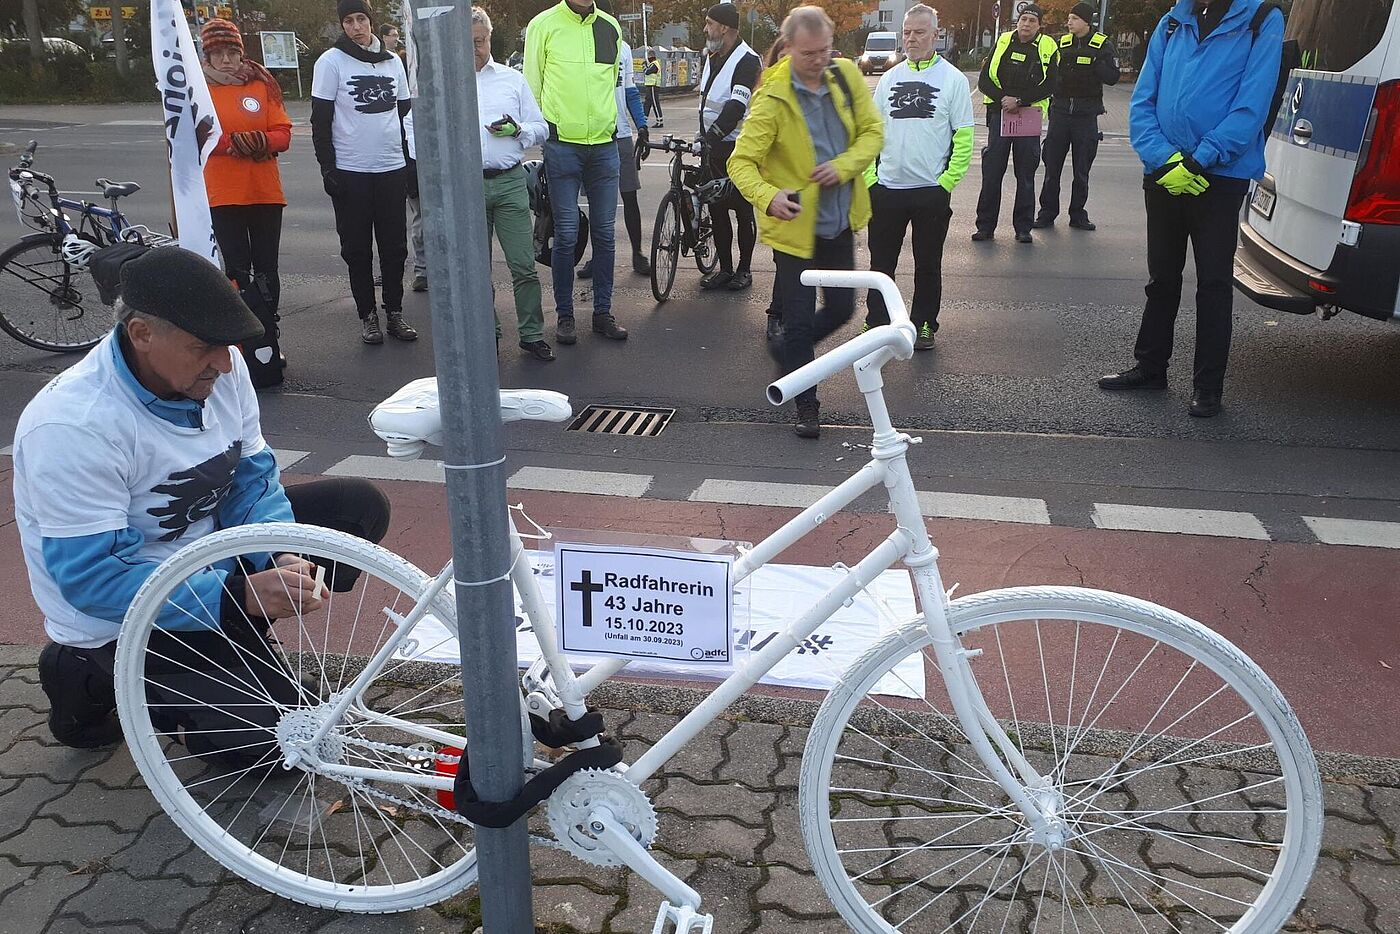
x=1303 y=836
x=150 y=760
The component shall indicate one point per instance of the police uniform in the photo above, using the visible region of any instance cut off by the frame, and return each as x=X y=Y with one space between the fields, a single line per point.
x=1026 y=71
x=1086 y=64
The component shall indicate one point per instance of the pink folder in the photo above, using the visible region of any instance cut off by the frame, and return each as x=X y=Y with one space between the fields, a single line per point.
x=1025 y=122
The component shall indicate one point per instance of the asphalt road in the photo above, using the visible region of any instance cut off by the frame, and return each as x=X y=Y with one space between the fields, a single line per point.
x=1312 y=409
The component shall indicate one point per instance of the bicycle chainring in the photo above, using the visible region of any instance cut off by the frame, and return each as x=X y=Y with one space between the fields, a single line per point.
x=573 y=802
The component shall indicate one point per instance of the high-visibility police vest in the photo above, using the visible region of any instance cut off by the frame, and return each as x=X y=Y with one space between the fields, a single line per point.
x=1077 y=78
x=1045 y=46
x=651 y=74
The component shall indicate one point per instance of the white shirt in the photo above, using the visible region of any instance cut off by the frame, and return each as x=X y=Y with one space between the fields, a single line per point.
x=502 y=91
x=624 y=71
x=365 y=128
x=89 y=459
x=922 y=109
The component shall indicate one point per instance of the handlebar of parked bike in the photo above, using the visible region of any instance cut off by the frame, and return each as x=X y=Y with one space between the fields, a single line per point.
x=675 y=144
x=897 y=337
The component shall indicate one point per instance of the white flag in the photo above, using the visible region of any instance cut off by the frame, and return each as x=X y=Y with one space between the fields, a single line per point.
x=191 y=126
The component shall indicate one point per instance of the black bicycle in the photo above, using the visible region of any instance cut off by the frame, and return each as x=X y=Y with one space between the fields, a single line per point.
x=48 y=298
x=683 y=224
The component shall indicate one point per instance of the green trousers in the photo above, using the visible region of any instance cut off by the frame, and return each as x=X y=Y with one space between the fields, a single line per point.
x=508 y=215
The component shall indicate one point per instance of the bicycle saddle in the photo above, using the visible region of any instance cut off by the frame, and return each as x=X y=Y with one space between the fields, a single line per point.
x=410 y=419
x=113 y=190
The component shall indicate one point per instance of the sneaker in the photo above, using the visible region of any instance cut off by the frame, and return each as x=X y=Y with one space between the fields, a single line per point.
x=586 y=272
x=640 y=265
x=1133 y=378
x=564 y=330
x=537 y=349
x=398 y=328
x=925 y=339
x=370 y=331
x=716 y=280
x=808 y=423
x=420 y=283
x=741 y=281
x=607 y=326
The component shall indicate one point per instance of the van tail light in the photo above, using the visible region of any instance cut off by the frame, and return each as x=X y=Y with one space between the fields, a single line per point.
x=1375 y=192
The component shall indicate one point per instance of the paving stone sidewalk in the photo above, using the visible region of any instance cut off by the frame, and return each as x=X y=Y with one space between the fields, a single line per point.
x=85 y=848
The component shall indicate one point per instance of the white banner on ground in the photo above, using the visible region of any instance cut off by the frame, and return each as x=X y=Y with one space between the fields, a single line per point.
x=191 y=126
x=774 y=595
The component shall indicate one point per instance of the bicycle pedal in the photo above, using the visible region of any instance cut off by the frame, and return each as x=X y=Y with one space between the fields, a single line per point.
x=683 y=920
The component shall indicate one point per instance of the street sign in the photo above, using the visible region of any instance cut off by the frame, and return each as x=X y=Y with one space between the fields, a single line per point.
x=630 y=18
x=105 y=12
x=279 y=49
x=648 y=8
x=1021 y=7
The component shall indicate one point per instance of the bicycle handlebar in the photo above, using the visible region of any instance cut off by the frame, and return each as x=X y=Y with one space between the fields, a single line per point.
x=897 y=337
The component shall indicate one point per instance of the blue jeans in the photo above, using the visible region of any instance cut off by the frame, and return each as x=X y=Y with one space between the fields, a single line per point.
x=572 y=167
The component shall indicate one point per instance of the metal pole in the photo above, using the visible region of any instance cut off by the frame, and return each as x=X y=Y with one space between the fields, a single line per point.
x=448 y=146
x=1103 y=17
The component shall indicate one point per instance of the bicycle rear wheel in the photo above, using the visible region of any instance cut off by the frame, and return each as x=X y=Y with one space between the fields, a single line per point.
x=1188 y=795
x=45 y=302
x=208 y=715
x=665 y=246
x=706 y=256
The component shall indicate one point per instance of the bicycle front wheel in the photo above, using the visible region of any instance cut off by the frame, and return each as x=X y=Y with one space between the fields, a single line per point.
x=1185 y=793
x=706 y=256
x=209 y=713
x=665 y=246
x=45 y=302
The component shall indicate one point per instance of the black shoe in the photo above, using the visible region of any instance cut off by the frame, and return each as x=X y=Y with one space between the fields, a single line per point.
x=587 y=271
x=1205 y=403
x=808 y=423
x=1133 y=378
x=607 y=326
x=774 y=331
x=741 y=281
x=982 y=235
x=105 y=732
x=398 y=328
x=538 y=349
x=564 y=330
x=716 y=280
x=1085 y=224
x=370 y=332
x=420 y=283
x=640 y=265
x=1024 y=237
x=1041 y=223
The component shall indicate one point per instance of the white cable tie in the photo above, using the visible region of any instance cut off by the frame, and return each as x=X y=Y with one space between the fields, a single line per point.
x=495 y=580
x=495 y=463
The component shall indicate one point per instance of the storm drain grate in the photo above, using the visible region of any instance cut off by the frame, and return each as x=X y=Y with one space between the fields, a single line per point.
x=636 y=420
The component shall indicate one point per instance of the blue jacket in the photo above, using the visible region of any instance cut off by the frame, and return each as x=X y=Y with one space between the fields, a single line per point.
x=1208 y=98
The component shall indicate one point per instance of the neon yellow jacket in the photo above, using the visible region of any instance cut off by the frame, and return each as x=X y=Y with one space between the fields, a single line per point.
x=571 y=67
x=774 y=152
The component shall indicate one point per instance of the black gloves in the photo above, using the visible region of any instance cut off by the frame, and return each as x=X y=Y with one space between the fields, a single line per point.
x=643 y=136
x=333 y=183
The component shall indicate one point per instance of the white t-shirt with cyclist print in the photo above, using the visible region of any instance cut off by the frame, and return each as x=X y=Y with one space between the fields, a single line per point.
x=365 y=128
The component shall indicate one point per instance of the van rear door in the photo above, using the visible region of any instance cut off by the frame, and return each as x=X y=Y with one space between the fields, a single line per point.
x=1318 y=133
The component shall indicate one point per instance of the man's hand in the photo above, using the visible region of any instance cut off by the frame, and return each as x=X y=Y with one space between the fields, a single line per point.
x=826 y=175
x=506 y=127
x=643 y=137
x=333 y=183
x=287 y=589
x=784 y=205
x=1010 y=105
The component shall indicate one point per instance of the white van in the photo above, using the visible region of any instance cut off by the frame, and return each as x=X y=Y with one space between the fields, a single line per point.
x=881 y=53
x=1322 y=229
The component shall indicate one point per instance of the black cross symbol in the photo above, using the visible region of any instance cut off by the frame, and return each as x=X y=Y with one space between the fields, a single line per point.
x=588 y=589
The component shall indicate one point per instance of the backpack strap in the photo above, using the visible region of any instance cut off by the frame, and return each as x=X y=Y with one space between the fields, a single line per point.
x=844 y=86
x=1262 y=14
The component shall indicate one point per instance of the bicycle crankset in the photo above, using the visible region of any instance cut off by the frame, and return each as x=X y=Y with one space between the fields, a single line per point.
x=574 y=801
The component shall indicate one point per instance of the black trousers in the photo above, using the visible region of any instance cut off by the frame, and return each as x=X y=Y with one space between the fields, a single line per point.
x=928 y=211
x=1209 y=222
x=1024 y=153
x=1069 y=133
x=652 y=101
x=371 y=213
x=249 y=237
x=188 y=668
x=720 y=220
x=805 y=326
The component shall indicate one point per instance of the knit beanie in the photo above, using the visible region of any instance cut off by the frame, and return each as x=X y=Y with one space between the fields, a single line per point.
x=726 y=14
x=345 y=7
x=1033 y=10
x=219 y=34
x=1084 y=11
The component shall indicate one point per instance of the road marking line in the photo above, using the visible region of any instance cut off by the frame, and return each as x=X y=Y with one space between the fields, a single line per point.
x=596 y=482
x=976 y=506
x=757 y=493
x=1179 y=521
x=388 y=468
x=286 y=458
x=1365 y=532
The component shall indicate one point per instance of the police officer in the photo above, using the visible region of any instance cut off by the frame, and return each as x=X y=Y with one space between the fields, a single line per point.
x=651 y=80
x=1088 y=61
x=731 y=73
x=1020 y=73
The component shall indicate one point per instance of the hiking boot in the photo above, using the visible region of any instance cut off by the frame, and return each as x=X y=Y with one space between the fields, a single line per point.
x=564 y=331
x=925 y=339
x=420 y=283
x=607 y=326
x=808 y=419
x=398 y=328
x=370 y=331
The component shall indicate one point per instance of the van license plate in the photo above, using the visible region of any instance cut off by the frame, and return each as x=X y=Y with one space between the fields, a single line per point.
x=1263 y=201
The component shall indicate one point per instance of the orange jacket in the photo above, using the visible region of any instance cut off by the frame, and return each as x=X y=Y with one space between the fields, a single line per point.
x=234 y=179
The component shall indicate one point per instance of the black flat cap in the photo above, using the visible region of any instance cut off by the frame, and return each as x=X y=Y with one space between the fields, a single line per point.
x=191 y=293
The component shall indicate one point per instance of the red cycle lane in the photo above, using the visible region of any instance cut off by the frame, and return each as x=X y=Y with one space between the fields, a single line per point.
x=1323 y=621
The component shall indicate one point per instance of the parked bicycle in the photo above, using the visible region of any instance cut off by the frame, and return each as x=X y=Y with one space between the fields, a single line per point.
x=683 y=225
x=1036 y=754
x=48 y=298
